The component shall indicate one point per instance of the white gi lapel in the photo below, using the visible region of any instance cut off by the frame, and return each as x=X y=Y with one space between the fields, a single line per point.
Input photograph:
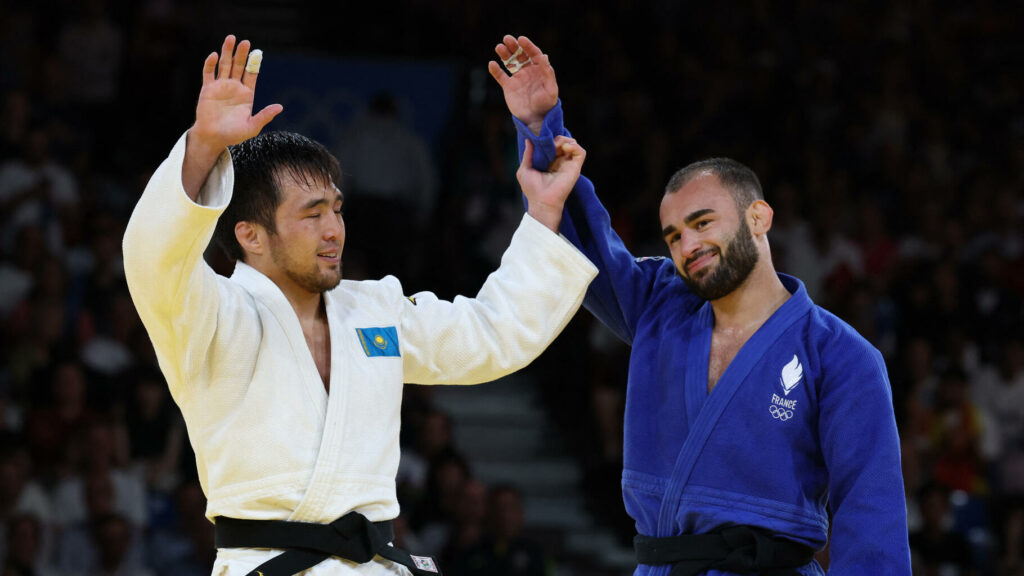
x=733 y=377
x=269 y=295
x=318 y=492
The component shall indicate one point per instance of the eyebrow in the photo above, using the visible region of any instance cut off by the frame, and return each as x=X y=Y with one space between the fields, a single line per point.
x=697 y=214
x=689 y=219
x=322 y=201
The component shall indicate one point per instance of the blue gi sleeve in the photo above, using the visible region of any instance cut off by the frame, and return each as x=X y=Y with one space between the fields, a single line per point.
x=624 y=286
x=861 y=447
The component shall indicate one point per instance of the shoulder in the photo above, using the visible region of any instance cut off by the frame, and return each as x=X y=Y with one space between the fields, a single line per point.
x=845 y=355
x=386 y=292
x=834 y=335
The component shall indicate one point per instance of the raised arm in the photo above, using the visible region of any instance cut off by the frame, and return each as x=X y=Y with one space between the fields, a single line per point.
x=521 y=307
x=176 y=294
x=224 y=112
x=624 y=286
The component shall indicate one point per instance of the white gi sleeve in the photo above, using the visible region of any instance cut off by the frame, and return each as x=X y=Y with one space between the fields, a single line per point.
x=520 y=309
x=174 y=290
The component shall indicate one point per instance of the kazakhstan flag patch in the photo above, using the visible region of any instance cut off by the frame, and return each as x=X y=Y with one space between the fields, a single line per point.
x=379 y=341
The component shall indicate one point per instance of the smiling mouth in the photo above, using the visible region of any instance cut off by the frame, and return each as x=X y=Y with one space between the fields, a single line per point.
x=700 y=262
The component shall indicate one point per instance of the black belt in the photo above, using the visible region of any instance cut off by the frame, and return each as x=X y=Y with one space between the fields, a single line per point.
x=351 y=537
x=739 y=549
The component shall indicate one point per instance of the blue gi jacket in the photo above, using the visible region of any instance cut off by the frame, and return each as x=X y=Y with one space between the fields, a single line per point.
x=801 y=421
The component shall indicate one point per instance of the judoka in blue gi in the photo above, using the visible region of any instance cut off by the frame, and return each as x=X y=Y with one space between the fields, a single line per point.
x=751 y=413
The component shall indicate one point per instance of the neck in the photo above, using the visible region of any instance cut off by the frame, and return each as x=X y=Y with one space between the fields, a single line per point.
x=760 y=295
x=307 y=305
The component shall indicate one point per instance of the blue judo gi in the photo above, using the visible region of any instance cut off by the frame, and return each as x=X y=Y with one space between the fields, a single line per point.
x=800 y=422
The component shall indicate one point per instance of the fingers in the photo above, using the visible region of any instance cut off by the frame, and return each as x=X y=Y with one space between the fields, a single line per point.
x=241 y=55
x=226 y=50
x=497 y=72
x=210 y=68
x=252 y=68
x=569 y=149
x=507 y=47
x=531 y=49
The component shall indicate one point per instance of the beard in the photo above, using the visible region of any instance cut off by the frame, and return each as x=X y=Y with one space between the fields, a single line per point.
x=309 y=277
x=734 y=267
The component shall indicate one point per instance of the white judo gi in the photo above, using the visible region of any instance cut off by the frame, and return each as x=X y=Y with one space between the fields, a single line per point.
x=270 y=443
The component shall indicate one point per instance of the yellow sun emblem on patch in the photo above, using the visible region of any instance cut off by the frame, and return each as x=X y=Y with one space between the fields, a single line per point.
x=380 y=342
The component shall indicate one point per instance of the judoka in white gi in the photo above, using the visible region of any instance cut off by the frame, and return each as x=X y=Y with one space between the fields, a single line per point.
x=290 y=378
x=751 y=413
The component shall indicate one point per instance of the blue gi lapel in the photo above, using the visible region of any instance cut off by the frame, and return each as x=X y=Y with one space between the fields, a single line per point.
x=709 y=407
x=697 y=370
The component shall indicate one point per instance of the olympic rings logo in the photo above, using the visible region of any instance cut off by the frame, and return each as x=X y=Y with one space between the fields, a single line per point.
x=780 y=413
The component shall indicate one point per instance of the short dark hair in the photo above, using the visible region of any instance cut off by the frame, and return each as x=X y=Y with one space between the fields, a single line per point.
x=739 y=180
x=260 y=163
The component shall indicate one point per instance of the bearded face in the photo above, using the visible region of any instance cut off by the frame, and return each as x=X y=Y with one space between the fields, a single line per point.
x=735 y=260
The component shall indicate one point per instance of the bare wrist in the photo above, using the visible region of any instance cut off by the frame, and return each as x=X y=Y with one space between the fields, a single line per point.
x=546 y=215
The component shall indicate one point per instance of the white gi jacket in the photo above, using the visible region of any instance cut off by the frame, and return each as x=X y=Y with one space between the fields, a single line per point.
x=270 y=443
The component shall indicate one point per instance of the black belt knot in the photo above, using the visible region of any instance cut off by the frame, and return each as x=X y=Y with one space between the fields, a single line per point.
x=739 y=549
x=352 y=537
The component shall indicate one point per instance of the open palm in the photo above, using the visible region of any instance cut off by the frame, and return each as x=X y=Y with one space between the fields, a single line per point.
x=532 y=90
x=224 y=112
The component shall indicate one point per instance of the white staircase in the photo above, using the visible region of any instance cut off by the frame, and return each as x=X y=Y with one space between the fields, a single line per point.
x=503 y=432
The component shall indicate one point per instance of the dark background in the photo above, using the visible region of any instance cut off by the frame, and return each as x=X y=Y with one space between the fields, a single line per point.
x=889 y=137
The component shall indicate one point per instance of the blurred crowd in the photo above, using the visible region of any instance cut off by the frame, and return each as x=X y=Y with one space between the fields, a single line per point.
x=889 y=137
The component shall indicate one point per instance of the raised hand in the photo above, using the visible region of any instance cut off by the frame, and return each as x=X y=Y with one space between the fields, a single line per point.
x=531 y=89
x=546 y=192
x=224 y=113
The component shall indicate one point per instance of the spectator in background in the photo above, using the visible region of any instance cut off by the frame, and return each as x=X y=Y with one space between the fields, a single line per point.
x=155 y=430
x=504 y=551
x=469 y=525
x=90 y=50
x=999 y=391
x=935 y=549
x=98 y=458
x=954 y=427
x=34 y=187
x=393 y=184
x=25 y=547
x=436 y=514
x=20 y=495
x=55 y=419
x=185 y=547
x=432 y=442
x=113 y=538
x=100 y=536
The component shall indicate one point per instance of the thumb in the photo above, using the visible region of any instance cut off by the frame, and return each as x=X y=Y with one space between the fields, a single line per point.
x=264 y=116
x=527 y=163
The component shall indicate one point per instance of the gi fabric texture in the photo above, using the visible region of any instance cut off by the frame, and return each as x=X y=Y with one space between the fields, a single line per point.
x=800 y=423
x=270 y=443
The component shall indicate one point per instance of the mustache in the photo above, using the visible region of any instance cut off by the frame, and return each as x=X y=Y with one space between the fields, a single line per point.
x=698 y=256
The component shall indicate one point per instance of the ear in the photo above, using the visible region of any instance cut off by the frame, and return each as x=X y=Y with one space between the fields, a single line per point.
x=249 y=237
x=759 y=217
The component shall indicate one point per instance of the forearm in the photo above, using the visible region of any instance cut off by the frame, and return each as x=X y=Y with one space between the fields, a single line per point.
x=200 y=157
x=517 y=313
x=168 y=233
